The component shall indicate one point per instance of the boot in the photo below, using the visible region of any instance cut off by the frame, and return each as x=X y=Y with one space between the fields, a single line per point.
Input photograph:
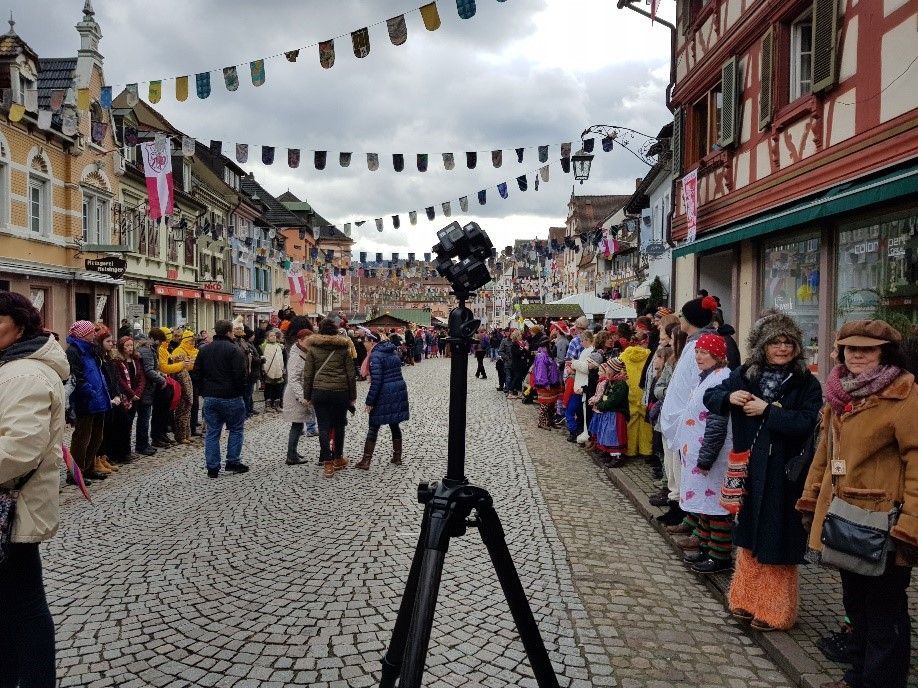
x=107 y=464
x=99 y=468
x=328 y=469
x=364 y=463
x=339 y=463
x=397 y=451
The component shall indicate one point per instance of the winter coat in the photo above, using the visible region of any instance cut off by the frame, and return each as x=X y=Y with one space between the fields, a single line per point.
x=767 y=524
x=155 y=379
x=634 y=358
x=273 y=354
x=544 y=369
x=295 y=404
x=328 y=366
x=681 y=384
x=503 y=351
x=131 y=380
x=166 y=364
x=582 y=368
x=90 y=389
x=878 y=441
x=221 y=370
x=252 y=358
x=388 y=394
x=561 y=344
x=32 y=432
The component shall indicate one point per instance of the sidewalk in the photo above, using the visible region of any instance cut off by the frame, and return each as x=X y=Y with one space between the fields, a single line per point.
x=820 y=590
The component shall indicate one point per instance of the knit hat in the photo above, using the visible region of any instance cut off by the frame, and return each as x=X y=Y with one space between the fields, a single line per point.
x=714 y=344
x=82 y=329
x=615 y=364
x=187 y=334
x=699 y=312
x=238 y=323
x=771 y=326
x=662 y=312
x=581 y=322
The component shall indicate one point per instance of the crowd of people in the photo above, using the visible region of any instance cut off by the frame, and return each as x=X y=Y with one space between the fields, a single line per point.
x=757 y=462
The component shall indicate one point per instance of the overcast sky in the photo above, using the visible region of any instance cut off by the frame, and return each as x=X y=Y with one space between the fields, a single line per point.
x=518 y=73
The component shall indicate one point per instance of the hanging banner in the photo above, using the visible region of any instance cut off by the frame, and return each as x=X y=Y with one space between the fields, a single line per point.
x=396 y=221
x=133 y=96
x=482 y=197
x=431 y=16
x=422 y=162
x=543 y=153
x=44 y=122
x=242 y=153
x=447 y=208
x=449 y=161
x=155 y=93
x=607 y=143
x=181 y=89
x=464 y=204
x=105 y=97
x=544 y=172
x=466 y=8
x=430 y=212
x=522 y=182
x=588 y=145
x=187 y=146
x=82 y=99
x=398 y=30
x=57 y=99
x=293 y=158
x=291 y=55
x=327 y=54
x=344 y=159
x=257 y=69
x=497 y=158
x=319 y=159
x=379 y=226
x=471 y=159
x=361 y=42
x=267 y=155
x=372 y=162
x=231 y=78
x=413 y=217
x=398 y=162
x=97 y=131
x=519 y=154
x=690 y=203
x=70 y=123
x=157 y=168
x=16 y=112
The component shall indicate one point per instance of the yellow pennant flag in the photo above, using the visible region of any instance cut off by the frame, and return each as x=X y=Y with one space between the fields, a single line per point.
x=156 y=91
x=431 y=16
x=181 y=89
x=82 y=99
x=17 y=110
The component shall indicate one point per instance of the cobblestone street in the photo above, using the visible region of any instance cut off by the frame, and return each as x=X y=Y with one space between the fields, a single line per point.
x=281 y=577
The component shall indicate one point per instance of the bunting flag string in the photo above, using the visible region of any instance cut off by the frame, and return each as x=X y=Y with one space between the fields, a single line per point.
x=396 y=28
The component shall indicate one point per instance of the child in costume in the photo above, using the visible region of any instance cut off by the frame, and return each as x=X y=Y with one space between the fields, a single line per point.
x=703 y=439
x=547 y=381
x=609 y=425
x=640 y=433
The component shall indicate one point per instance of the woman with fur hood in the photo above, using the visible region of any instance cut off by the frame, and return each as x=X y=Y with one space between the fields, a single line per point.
x=773 y=401
x=330 y=383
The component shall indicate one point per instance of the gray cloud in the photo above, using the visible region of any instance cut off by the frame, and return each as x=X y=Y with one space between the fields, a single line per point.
x=493 y=80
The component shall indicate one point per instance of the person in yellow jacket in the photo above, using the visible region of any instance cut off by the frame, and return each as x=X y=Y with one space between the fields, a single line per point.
x=161 y=416
x=640 y=432
x=187 y=346
x=166 y=366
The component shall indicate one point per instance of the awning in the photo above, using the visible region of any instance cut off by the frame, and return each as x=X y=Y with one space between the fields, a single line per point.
x=180 y=292
x=217 y=296
x=853 y=195
x=642 y=291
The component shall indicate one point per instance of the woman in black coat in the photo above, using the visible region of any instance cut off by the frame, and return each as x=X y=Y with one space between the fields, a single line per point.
x=387 y=400
x=774 y=403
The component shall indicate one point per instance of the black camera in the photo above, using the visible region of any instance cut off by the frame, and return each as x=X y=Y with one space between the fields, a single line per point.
x=461 y=256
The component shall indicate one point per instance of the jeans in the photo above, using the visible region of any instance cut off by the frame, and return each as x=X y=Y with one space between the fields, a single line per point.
x=574 y=414
x=144 y=412
x=218 y=412
x=373 y=432
x=26 y=627
x=293 y=440
x=247 y=398
x=162 y=398
x=880 y=637
x=86 y=440
x=480 y=355
x=331 y=414
x=501 y=374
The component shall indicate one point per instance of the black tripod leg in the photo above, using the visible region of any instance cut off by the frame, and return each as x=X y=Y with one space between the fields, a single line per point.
x=392 y=662
x=422 y=620
x=492 y=534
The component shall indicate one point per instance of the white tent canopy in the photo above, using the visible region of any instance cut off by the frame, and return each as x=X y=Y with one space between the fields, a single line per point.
x=590 y=304
x=619 y=310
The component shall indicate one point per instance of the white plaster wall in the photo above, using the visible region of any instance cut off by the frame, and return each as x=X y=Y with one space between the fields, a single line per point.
x=762 y=161
x=890 y=6
x=748 y=300
x=741 y=170
x=848 y=64
x=843 y=117
x=684 y=288
x=899 y=46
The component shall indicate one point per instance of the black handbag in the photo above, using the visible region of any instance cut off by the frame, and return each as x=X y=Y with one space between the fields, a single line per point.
x=796 y=468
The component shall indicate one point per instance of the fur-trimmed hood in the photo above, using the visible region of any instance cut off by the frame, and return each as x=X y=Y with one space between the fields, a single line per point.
x=770 y=326
x=328 y=341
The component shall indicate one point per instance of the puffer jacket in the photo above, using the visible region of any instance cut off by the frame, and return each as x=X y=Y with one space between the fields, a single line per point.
x=328 y=366
x=878 y=441
x=32 y=431
x=149 y=360
x=388 y=394
x=90 y=387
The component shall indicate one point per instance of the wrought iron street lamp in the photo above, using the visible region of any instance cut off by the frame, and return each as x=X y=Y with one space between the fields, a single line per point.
x=582 y=161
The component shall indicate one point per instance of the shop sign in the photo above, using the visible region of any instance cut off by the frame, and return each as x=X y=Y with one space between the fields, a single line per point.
x=215 y=296
x=655 y=249
x=212 y=286
x=172 y=273
x=111 y=266
x=179 y=292
x=134 y=310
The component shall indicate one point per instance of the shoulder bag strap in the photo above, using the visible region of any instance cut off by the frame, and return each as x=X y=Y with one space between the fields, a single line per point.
x=321 y=367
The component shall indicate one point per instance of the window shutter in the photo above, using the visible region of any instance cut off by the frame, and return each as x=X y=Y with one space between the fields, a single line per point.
x=766 y=73
x=825 y=30
x=729 y=95
x=677 y=142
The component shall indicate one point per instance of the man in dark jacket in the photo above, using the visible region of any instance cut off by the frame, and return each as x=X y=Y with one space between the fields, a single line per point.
x=221 y=376
x=154 y=383
x=727 y=332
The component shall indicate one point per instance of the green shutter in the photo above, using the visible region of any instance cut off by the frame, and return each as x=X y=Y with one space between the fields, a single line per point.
x=766 y=74
x=677 y=141
x=729 y=98
x=825 y=32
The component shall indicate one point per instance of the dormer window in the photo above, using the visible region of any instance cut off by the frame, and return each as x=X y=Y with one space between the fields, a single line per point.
x=25 y=84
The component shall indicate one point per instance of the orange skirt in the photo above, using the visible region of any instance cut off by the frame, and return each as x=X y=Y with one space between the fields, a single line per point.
x=769 y=592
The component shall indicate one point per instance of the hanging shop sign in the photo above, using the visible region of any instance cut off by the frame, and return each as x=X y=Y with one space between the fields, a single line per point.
x=212 y=286
x=111 y=266
x=655 y=249
x=214 y=296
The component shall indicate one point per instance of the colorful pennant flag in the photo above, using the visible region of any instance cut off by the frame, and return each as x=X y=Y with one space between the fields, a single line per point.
x=319 y=159
x=565 y=150
x=105 y=97
x=502 y=189
x=422 y=162
x=607 y=143
x=482 y=197
x=379 y=226
x=361 y=42
x=497 y=158
x=464 y=204
x=327 y=53
x=133 y=96
x=231 y=78
x=398 y=30
x=413 y=217
x=471 y=159
x=431 y=16
x=430 y=212
x=82 y=100
x=216 y=148
x=543 y=153
x=396 y=221
x=447 y=209
x=544 y=172
x=466 y=8
x=187 y=146
x=155 y=92
x=44 y=122
x=181 y=89
x=202 y=84
x=267 y=155
x=344 y=159
x=449 y=161
x=242 y=153
x=291 y=55
x=519 y=154
x=398 y=162
x=257 y=69
x=97 y=133
x=522 y=182
x=293 y=158
x=372 y=162
x=57 y=99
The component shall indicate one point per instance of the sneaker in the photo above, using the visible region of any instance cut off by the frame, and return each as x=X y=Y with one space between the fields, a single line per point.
x=660 y=499
x=237 y=467
x=682 y=528
x=213 y=472
x=294 y=461
x=312 y=433
x=835 y=646
x=694 y=557
x=709 y=565
x=149 y=451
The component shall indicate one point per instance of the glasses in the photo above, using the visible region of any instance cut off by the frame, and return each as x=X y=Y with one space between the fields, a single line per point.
x=781 y=342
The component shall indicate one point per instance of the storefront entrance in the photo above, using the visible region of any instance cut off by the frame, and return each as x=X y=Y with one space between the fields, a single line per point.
x=716 y=273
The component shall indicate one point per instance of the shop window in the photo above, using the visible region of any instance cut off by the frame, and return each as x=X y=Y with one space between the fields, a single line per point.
x=96 y=218
x=801 y=56
x=878 y=270
x=790 y=283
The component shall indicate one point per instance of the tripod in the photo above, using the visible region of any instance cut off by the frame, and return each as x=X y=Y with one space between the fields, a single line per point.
x=448 y=506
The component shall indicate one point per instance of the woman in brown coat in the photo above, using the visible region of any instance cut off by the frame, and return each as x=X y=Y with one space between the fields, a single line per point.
x=330 y=383
x=871 y=412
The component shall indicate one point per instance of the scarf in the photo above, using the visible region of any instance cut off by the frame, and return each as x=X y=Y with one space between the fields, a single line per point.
x=771 y=380
x=843 y=386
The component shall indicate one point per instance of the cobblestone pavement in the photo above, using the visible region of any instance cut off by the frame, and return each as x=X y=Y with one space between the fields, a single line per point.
x=281 y=577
